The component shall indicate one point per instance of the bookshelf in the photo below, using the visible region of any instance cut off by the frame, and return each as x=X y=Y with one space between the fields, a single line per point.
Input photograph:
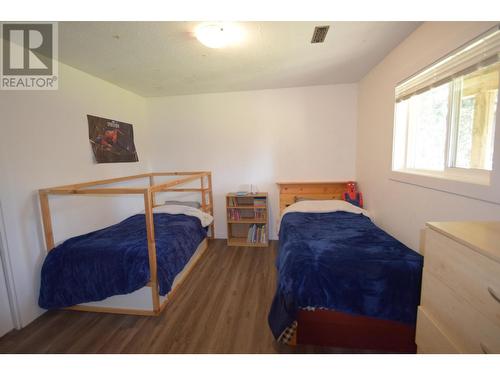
x=247 y=220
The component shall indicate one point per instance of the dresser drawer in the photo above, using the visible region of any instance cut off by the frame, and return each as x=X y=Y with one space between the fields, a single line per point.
x=430 y=338
x=466 y=328
x=473 y=276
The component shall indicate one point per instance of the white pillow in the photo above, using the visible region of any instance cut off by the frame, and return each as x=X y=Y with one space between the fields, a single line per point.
x=319 y=206
x=206 y=219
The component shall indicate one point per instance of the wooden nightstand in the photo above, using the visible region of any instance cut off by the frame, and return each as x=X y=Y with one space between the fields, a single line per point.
x=247 y=220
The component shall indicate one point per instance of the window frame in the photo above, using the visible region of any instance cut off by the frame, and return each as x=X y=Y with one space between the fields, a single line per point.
x=474 y=186
x=472 y=183
x=450 y=171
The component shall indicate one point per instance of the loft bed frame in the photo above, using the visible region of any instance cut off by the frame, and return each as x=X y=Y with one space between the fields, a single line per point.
x=158 y=303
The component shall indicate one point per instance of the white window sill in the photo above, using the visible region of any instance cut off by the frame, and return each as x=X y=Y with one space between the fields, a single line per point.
x=460 y=175
x=472 y=185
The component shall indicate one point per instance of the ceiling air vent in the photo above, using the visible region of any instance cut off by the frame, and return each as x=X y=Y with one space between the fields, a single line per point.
x=319 y=34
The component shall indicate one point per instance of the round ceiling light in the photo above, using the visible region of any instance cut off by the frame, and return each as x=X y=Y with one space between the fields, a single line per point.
x=218 y=35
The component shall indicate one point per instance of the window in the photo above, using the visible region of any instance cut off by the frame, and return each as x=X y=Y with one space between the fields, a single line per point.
x=476 y=106
x=445 y=116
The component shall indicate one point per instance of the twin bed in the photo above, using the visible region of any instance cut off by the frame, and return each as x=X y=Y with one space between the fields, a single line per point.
x=342 y=281
x=135 y=266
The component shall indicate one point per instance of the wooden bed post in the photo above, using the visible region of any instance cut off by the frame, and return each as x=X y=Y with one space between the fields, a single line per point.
x=153 y=194
x=46 y=220
x=202 y=191
x=211 y=203
x=151 y=250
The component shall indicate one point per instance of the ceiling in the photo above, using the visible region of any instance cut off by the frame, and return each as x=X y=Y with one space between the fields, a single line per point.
x=164 y=58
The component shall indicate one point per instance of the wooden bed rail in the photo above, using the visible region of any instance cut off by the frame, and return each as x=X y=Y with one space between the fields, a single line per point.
x=101 y=182
x=122 y=179
x=148 y=192
x=97 y=191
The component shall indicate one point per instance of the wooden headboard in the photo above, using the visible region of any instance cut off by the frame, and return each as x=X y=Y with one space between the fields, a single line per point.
x=289 y=191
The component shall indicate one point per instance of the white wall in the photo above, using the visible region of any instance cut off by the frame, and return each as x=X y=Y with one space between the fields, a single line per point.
x=43 y=143
x=399 y=208
x=258 y=137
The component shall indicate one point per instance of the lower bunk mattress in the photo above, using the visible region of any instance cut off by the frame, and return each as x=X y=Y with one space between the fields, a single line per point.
x=114 y=260
x=341 y=261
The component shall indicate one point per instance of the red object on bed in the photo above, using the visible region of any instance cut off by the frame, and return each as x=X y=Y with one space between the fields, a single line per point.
x=341 y=330
x=352 y=195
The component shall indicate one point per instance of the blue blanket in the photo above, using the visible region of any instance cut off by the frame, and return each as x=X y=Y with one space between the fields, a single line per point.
x=114 y=260
x=342 y=261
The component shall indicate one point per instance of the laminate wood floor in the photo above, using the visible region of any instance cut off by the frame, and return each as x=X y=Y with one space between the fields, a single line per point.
x=221 y=307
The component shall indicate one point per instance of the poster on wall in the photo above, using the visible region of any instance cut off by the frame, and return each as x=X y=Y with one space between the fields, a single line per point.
x=112 y=141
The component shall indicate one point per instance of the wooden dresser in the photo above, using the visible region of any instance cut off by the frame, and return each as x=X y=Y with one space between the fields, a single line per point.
x=460 y=302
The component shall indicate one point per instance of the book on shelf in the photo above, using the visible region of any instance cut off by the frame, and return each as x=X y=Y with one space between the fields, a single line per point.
x=260 y=201
x=234 y=214
x=232 y=201
x=238 y=214
x=257 y=233
x=259 y=213
x=235 y=201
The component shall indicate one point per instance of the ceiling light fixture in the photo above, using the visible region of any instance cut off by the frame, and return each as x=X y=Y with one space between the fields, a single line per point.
x=219 y=35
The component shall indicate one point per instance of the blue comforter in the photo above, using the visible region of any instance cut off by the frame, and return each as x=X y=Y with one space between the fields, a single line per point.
x=114 y=260
x=342 y=261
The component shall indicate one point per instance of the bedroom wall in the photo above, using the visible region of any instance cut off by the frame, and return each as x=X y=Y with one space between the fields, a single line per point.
x=402 y=209
x=43 y=143
x=257 y=137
